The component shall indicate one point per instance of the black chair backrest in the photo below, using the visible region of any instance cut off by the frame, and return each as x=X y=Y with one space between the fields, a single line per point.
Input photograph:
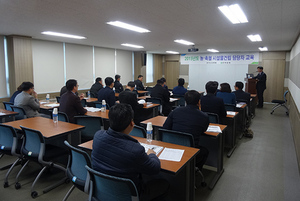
x=149 y=89
x=7 y=106
x=175 y=137
x=229 y=107
x=57 y=99
x=213 y=118
x=20 y=110
x=181 y=101
x=83 y=102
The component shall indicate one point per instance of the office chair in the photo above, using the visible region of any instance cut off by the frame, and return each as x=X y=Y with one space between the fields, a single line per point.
x=7 y=105
x=213 y=118
x=57 y=99
x=61 y=116
x=181 y=101
x=35 y=149
x=10 y=144
x=92 y=125
x=149 y=89
x=180 y=138
x=106 y=187
x=280 y=103
x=138 y=131
x=83 y=102
x=229 y=107
x=156 y=101
x=20 y=110
x=76 y=170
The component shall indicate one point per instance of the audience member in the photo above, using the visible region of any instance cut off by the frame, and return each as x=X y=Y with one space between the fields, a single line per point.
x=240 y=95
x=107 y=93
x=19 y=90
x=118 y=85
x=165 y=83
x=139 y=83
x=159 y=92
x=96 y=87
x=226 y=95
x=180 y=90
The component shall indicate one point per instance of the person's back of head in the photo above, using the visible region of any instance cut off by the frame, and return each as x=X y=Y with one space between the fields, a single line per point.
x=239 y=85
x=140 y=76
x=117 y=77
x=211 y=87
x=109 y=81
x=192 y=97
x=20 y=88
x=120 y=116
x=160 y=82
x=70 y=84
x=131 y=84
x=98 y=79
x=26 y=86
x=163 y=79
x=225 y=87
x=180 y=82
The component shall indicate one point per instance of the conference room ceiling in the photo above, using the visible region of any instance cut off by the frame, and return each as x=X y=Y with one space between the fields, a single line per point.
x=199 y=21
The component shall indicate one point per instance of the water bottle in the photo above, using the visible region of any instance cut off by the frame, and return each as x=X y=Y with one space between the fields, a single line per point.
x=149 y=132
x=114 y=89
x=89 y=95
x=47 y=98
x=55 y=115
x=103 y=109
x=188 y=87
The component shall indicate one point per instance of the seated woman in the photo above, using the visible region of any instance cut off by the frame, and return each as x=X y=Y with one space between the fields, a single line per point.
x=226 y=95
x=180 y=90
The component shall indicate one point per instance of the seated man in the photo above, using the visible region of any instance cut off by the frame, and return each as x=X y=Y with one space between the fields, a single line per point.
x=212 y=104
x=159 y=92
x=70 y=102
x=180 y=90
x=139 y=83
x=96 y=87
x=116 y=153
x=107 y=93
x=190 y=119
x=165 y=83
x=240 y=94
x=129 y=97
x=27 y=99
x=118 y=85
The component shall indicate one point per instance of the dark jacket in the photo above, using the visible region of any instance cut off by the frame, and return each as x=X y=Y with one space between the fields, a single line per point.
x=188 y=119
x=228 y=98
x=139 y=85
x=108 y=95
x=118 y=87
x=159 y=92
x=211 y=103
x=70 y=104
x=261 y=81
x=118 y=154
x=179 y=90
x=94 y=89
x=241 y=95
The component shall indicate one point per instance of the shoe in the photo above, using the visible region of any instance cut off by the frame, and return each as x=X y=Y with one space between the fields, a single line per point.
x=249 y=133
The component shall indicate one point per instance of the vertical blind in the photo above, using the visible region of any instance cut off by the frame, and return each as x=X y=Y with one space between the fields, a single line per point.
x=3 y=91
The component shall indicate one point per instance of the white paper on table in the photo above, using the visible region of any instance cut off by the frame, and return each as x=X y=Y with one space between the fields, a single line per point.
x=239 y=105
x=171 y=154
x=173 y=99
x=43 y=102
x=1 y=113
x=230 y=113
x=92 y=109
x=214 y=129
x=155 y=148
x=52 y=105
x=141 y=101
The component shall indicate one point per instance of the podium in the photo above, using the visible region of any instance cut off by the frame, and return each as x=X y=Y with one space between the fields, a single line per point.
x=250 y=85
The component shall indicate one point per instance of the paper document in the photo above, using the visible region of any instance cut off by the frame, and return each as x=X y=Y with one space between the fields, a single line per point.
x=171 y=154
x=230 y=113
x=92 y=109
x=155 y=148
x=239 y=105
x=43 y=102
x=52 y=105
x=141 y=101
x=214 y=129
x=1 y=113
x=173 y=99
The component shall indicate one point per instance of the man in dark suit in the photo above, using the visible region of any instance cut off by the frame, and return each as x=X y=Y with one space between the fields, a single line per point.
x=212 y=104
x=118 y=85
x=96 y=87
x=139 y=83
x=107 y=93
x=160 y=92
x=240 y=95
x=260 y=85
x=190 y=119
x=70 y=102
x=129 y=97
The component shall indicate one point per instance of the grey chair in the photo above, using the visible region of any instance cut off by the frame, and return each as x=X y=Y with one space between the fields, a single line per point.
x=107 y=187
x=281 y=103
x=92 y=125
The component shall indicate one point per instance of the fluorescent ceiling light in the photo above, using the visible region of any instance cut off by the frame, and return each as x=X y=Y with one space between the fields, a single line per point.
x=254 y=38
x=212 y=50
x=172 y=52
x=128 y=26
x=184 y=42
x=131 y=45
x=234 y=13
x=263 y=48
x=51 y=33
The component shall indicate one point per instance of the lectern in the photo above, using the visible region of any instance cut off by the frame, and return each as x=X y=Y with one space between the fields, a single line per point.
x=250 y=85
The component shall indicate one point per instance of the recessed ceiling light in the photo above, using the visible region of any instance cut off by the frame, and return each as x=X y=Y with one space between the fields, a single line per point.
x=131 y=45
x=128 y=26
x=254 y=38
x=51 y=33
x=172 y=52
x=184 y=42
x=234 y=13
x=263 y=48
x=212 y=50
